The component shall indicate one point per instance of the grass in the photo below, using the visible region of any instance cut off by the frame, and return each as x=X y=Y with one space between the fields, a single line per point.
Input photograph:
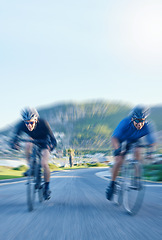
x=86 y=165
x=17 y=172
x=153 y=172
x=97 y=164
x=74 y=167
x=9 y=173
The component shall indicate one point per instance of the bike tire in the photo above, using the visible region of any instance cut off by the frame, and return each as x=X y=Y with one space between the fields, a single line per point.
x=31 y=189
x=118 y=192
x=134 y=188
x=40 y=185
x=40 y=193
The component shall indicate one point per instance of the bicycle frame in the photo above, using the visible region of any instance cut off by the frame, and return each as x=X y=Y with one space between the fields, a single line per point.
x=34 y=180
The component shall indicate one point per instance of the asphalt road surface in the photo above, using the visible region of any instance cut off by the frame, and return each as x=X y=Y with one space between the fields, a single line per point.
x=77 y=210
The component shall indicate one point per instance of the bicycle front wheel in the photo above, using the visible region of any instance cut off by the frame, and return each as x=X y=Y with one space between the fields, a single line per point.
x=40 y=184
x=133 y=187
x=118 y=192
x=31 y=187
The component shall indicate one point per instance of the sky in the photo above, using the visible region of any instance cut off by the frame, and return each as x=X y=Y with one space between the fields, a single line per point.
x=77 y=51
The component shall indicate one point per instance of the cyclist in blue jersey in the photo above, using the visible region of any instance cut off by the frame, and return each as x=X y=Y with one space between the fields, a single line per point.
x=37 y=129
x=129 y=130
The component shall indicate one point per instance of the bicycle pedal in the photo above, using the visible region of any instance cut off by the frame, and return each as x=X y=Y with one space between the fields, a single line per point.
x=48 y=198
x=135 y=187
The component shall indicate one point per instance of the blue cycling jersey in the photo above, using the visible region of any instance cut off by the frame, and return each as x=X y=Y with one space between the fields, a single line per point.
x=126 y=131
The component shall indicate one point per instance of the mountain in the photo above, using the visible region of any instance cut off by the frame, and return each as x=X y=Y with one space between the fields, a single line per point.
x=89 y=125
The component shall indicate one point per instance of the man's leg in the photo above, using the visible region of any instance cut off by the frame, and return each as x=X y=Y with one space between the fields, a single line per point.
x=137 y=153
x=116 y=167
x=110 y=190
x=137 y=156
x=44 y=162
x=28 y=150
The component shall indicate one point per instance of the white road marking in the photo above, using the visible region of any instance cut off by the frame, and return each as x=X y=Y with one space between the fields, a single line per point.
x=106 y=175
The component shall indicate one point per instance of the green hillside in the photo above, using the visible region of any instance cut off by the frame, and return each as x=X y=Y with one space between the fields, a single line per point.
x=89 y=125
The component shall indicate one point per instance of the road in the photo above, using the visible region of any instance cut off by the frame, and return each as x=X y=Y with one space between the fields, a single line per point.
x=77 y=210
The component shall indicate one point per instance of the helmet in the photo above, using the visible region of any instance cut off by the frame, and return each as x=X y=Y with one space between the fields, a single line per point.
x=29 y=113
x=140 y=112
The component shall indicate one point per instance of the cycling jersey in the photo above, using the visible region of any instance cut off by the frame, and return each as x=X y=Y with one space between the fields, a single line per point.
x=42 y=131
x=126 y=131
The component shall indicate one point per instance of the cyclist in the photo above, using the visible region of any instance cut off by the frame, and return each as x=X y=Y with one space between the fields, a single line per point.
x=37 y=129
x=129 y=130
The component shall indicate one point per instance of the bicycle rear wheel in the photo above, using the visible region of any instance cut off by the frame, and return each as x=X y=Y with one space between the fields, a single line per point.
x=31 y=187
x=133 y=187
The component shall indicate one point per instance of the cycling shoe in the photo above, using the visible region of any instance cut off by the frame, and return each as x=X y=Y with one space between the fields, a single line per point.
x=47 y=194
x=109 y=191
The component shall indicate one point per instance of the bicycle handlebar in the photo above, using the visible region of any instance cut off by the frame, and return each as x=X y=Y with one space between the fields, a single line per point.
x=34 y=141
x=144 y=146
x=129 y=150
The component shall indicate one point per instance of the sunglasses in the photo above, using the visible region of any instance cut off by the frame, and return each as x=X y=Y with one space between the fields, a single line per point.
x=27 y=123
x=137 y=120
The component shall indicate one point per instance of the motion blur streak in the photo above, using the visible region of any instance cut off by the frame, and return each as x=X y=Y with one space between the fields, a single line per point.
x=78 y=209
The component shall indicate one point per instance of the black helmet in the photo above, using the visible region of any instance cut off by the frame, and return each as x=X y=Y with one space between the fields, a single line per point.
x=140 y=112
x=29 y=113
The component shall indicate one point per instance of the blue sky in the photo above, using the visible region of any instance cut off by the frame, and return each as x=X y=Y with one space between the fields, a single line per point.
x=62 y=51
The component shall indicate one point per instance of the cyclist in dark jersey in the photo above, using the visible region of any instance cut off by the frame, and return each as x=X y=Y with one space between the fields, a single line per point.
x=129 y=130
x=37 y=129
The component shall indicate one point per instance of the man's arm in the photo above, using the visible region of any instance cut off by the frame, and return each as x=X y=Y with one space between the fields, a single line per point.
x=14 y=141
x=115 y=143
x=53 y=142
x=118 y=132
x=116 y=146
x=151 y=139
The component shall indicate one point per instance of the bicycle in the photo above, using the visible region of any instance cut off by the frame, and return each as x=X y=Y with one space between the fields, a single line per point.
x=35 y=182
x=130 y=187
